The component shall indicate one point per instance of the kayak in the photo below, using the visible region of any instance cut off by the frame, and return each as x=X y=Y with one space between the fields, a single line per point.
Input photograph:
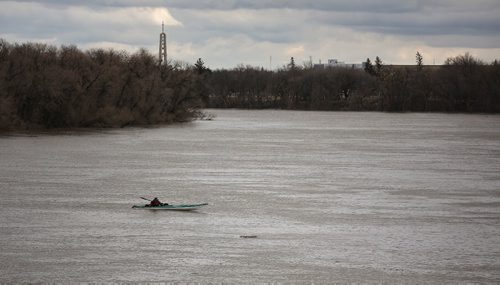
x=179 y=207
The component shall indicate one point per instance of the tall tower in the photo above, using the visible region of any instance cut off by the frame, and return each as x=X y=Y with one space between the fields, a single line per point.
x=163 y=45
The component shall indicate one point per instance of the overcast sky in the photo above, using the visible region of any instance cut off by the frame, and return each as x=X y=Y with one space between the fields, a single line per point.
x=225 y=33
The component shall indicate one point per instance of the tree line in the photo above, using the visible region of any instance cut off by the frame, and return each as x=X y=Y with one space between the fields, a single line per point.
x=462 y=84
x=42 y=86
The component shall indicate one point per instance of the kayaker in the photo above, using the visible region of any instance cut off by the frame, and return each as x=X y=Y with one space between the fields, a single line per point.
x=155 y=203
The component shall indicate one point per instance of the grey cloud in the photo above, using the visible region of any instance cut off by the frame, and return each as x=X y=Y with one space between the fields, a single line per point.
x=286 y=26
x=326 y=5
x=486 y=23
x=410 y=18
x=270 y=25
x=379 y=6
x=208 y=24
x=74 y=25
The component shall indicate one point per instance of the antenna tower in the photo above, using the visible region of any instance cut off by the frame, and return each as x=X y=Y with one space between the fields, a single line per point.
x=163 y=45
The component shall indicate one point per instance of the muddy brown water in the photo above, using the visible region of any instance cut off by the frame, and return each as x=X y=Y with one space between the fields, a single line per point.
x=325 y=196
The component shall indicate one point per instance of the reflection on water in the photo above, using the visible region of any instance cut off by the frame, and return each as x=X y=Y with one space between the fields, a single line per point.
x=330 y=197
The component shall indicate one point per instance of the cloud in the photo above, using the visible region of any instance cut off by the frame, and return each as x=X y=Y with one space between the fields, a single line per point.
x=228 y=32
x=324 y=5
x=267 y=25
x=80 y=24
x=295 y=51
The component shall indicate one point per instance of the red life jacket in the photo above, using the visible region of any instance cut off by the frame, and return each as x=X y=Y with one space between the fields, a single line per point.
x=155 y=203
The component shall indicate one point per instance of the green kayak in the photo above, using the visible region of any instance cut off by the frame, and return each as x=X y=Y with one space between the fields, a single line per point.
x=179 y=207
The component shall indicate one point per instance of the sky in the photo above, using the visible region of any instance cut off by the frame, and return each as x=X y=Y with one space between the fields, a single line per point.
x=264 y=33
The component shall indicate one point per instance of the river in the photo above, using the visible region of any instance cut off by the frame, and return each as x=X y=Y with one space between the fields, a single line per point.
x=330 y=197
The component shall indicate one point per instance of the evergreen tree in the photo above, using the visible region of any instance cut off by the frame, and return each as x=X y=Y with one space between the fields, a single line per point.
x=369 y=67
x=378 y=66
x=200 y=66
x=419 y=60
x=292 y=65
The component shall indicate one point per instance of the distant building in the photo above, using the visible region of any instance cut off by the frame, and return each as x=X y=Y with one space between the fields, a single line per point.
x=335 y=63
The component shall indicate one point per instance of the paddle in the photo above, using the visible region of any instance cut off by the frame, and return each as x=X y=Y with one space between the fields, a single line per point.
x=145 y=199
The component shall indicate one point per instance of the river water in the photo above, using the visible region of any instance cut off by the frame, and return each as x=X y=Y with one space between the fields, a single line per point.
x=331 y=197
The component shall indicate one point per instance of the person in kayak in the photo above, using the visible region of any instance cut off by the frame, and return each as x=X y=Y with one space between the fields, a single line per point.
x=155 y=203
